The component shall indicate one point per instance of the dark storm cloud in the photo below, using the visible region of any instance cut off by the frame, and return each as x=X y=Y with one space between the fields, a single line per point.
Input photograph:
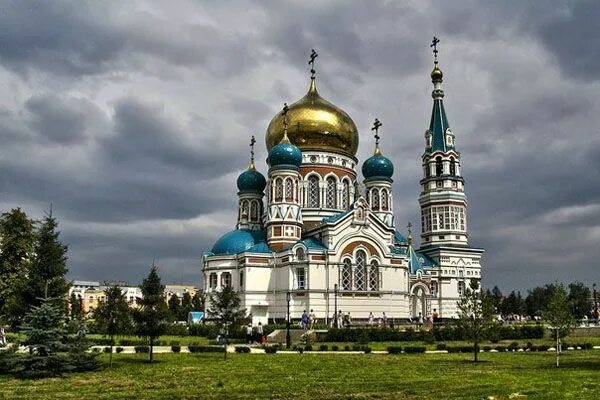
x=133 y=119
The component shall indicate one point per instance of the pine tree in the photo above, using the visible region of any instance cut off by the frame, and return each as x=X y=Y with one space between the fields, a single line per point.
x=75 y=308
x=152 y=313
x=47 y=275
x=475 y=315
x=112 y=315
x=16 y=249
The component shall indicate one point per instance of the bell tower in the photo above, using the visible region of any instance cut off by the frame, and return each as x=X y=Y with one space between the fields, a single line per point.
x=443 y=201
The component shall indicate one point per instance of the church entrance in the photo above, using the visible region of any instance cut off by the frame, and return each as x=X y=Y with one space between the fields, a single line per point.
x=419 y=302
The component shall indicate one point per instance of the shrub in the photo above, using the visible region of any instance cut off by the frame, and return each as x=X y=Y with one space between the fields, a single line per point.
x=346 y=348
x=96 y=350
x=487 y=348
x=242 y=349
x=142 y=349
x=543 y=347
x=206 y=349
x=334 y=348
x=453 y=349
x=366 y=349
x=308 y=347
x=513 y=346
x=271 y=349
x=119 y=349
x=107 y=350
x=323 y=347
x=176 y=348
x=357 y=348
x=174 y=343
x=176 y=330
x=587 y=346
x=501 y=348
x=441 y=346
x=300 y=350
x=414 y=349
x=394 y=349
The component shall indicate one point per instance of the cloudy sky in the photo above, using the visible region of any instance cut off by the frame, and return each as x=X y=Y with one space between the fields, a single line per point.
x=132 y=119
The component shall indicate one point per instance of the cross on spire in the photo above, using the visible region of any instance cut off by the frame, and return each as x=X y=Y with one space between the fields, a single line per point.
x=376 y=125
x=433 y=44
x=285 y=121
x=311 y=62
x=252 y=142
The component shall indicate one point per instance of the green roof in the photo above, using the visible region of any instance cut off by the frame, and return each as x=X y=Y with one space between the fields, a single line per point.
x=438 y=126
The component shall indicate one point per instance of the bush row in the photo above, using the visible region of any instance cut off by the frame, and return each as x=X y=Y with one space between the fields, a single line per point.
x=448 y=333
x=134 y=342
x=406 y=349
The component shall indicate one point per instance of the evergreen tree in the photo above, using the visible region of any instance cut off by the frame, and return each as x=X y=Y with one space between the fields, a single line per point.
x=538 y=298
x=47 y=276
x=476 y=315
x=558 y=315
x=112 y=315
x=186 y=306
x=497 y=298
x=225 y=310
x=16 y=249
x=75 y=308
x=152 y=313
x=174 y=308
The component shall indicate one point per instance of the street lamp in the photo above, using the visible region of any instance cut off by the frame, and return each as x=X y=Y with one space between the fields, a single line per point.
x=288 y=338
x=335 y=315
x=595 y=303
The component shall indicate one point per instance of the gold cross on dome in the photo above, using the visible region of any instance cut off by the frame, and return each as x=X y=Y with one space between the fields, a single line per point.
x=252 y=142
x=311 y=62
x=433 y=44
x=376 y=125
x=285 y=121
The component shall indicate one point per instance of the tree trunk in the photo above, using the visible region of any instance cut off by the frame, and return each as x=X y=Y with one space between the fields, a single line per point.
x=225 y=348
x=476 y=349
x=112 y=342
x=557 y=349
x=151 y=349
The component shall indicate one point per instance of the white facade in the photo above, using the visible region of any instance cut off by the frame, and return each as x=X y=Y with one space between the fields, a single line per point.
x=349 y=255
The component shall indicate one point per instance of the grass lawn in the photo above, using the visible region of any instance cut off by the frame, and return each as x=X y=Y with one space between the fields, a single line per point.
x=325 y=376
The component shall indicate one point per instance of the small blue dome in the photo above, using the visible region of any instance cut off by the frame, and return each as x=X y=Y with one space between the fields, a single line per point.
x=285 y=154
x=238 y=240
x=251 y=181
x=378 y=166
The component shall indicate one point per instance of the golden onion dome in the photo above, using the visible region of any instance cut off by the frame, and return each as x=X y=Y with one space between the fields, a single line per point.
x=436 y=74
x=315 y=124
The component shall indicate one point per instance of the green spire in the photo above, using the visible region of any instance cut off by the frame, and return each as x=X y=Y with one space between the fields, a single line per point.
x=439 y=122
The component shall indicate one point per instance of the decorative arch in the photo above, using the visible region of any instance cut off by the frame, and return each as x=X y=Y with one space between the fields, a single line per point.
x=346 y=274
x=384 y=200
x=312 y=191
x=289 y=189
x=345 y=193
x=375 y=199
x=331 y=192
x=278 y=189
x=439 y=168
x=254 y=211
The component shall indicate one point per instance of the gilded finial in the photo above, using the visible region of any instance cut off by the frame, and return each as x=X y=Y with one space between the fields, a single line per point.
x=376 y=125
x=311 y=62
x=251 y=166
x=409 y=237
x=285 y=123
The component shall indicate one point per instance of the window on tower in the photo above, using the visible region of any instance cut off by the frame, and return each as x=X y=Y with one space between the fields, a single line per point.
x=374 y=276
x=212 y=281
x=439 y=168
x=331 y=198
x=461 y=288
x=254 y=211
x=226 y=279
x=313 y=192
x=278 y=189
x=434 y=289
x=384 y=200
x=289 y=190
x=375 y=199
x=300 y=278
x=452 y=166
x=345 y=194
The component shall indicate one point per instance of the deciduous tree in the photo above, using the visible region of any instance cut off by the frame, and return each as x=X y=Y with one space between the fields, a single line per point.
x=476 y=315
x=558 y=316
x=112 y=315
x=225 y=310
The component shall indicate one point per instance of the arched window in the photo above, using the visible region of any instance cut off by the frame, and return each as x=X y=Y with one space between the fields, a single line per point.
x=278 y=189
x=452 y=166
x=254 y=211
x=427 y=169
x=345 y=194
x=375 y=199
x=346 y=278
x=384 y=200
x=374 y=276
x=289 y=189
x=313 y=192
x=245 y=209
x=360 y=271
x=331 y=197
x=439 y=169
x=300 y=254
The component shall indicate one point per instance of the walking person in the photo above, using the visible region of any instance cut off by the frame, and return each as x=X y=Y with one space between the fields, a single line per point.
x=312 y=318
x=260 y=333
x=384 y=319
x=340 y=319
x=249 y=333
x=371 y=317
x=2 y=336
x=304 y=321
x=420 y=320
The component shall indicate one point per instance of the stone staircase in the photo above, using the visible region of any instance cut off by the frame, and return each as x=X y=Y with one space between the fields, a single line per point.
x=278 y=336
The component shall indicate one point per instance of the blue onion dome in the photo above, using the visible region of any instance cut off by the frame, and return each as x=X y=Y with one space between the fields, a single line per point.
x=251 y=181
x=285 y=154
x=238 y=240
x=378 y=166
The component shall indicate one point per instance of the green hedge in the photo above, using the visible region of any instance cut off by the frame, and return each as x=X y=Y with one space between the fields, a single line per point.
x=205 y=349
x=448 y=333
x=142 y=349
x=242 y=349
x=394 y=349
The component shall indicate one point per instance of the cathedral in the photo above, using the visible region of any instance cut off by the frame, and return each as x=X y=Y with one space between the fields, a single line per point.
x=314 y=234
